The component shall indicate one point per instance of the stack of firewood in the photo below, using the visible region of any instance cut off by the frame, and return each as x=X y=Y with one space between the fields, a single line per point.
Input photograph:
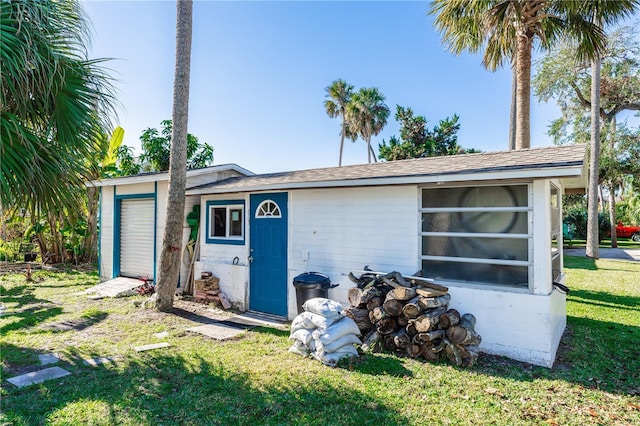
x=410 y=316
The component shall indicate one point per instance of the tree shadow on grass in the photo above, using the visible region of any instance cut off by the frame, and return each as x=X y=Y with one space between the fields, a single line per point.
x=169 y=389
x=29 y=311
x=604 y=299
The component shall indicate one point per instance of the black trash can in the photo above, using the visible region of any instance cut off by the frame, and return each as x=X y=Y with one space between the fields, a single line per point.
x=309 y=285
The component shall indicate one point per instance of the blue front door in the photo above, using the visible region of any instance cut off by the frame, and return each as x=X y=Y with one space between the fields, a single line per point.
x=268 y=250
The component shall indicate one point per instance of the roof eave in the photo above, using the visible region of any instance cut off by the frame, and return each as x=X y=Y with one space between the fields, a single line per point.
x=562 y=172
x=164 y=176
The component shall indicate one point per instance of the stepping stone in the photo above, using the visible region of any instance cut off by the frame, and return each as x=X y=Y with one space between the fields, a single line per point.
x=152 y=346
x=46 y=359
x=217 y=331
x=38 y=376
x=161 y=335
x=99 y=361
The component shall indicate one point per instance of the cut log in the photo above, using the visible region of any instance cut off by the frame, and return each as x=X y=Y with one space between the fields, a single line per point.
x=426 y=284
x=361 y=318
x=401 y=339
x=453 y=354
x=374 y=303
x=392 y=306
x=389 y=343
x=469 y=355
x=429 y=320
x=412 y=308
x=434 y=302
x=355 y=297
x=402 y=321
x=468 y=321
x=430 y=292
x=403 y=293
x=386 y=325
x=428 y=353
x=413 y=350
x=389 y=282
x=411 y=327
x=400 y=279
x=430 y=336
x=449 y=318
x=464 y=333
x=377 y=314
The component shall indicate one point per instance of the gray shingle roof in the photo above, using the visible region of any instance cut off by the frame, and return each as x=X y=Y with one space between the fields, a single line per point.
x=366 y=174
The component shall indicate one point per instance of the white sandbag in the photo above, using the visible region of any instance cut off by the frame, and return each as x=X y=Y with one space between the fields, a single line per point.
x=326 y=307
x=335 y=331
x=302 y=335
x=313 y=321
x=348 y=339
x=301 y=323
x=331 y=359
x=300 y=350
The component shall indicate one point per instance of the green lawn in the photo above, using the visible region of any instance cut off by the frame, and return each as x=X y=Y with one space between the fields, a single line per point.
x=254 y=380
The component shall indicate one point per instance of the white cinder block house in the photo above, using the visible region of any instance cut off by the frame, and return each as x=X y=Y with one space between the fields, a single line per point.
x=131 y=219
x=488 y=226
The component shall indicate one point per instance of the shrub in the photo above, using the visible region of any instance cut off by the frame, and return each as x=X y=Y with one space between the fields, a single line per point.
x=578 y=218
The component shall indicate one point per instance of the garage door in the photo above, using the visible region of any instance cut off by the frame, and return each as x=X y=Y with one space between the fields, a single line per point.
x=137 y=237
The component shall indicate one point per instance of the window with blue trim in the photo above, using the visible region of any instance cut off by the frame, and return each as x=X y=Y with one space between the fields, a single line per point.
x=225 y=222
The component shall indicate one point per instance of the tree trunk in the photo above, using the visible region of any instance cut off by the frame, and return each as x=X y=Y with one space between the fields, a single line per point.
x=613 y=128
x=593 y=250
x=612 y=215
x=344 y=125
x=172 y=239
x=90 y=246
x=512 y=111
x=523 y=91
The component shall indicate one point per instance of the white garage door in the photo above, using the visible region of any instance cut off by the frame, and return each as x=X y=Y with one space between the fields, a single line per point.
x=136 y=237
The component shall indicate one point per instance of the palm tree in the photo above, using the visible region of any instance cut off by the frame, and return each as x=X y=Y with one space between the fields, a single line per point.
x=507 y=30
x=55 y=104
x=172 y=239
x=367 y=115
x=339 y=95
x=601 y=13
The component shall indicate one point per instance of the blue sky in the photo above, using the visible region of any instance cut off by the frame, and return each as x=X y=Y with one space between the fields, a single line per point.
x=259 y=70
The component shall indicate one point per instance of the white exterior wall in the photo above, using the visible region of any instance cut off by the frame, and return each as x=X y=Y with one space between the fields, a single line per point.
x=522 y=326
x=335 y=231
x=106 y=241
x=107 y=222
x=218 y=258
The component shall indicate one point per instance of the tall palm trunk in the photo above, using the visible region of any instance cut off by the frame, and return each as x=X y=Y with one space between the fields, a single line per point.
x=513 y=109
x=613 y=184
x=593 y=250
x=172 y=239
x=523 y=90
x=344 y=128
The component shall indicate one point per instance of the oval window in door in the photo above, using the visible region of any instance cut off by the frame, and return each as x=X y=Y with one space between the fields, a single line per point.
x=268 y=209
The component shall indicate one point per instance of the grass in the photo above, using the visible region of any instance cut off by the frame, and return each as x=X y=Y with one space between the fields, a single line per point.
x=254 y=380
x=623 y=243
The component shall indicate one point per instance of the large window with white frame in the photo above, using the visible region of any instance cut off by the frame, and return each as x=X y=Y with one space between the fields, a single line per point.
x=479 y=234
x=225 y=222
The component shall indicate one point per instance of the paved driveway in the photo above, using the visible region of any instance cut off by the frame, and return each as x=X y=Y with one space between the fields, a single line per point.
x=632 y=255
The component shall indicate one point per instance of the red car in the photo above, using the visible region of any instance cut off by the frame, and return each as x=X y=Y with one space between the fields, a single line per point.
x=632 y=232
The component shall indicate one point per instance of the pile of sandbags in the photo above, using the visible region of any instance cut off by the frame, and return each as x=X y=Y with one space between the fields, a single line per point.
x=322 y=331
